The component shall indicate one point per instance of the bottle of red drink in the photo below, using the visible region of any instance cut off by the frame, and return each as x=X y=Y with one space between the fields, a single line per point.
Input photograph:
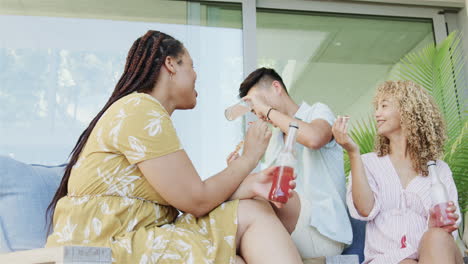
x=439 y=197
x=284 y=168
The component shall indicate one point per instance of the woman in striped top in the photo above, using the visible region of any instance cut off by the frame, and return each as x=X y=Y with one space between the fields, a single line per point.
x=390 y=187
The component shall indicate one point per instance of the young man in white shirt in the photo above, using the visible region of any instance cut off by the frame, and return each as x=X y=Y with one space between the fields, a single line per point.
x=323 y=227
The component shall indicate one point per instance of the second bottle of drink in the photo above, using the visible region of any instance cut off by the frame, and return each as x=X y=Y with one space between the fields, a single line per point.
x=439 y=197
x=284 y=168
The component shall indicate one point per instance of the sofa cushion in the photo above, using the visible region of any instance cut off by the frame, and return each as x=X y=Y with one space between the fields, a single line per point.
x=25 y=192
x=359 y=237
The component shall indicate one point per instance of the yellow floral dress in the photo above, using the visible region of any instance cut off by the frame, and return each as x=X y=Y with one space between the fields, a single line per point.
x=111 y=204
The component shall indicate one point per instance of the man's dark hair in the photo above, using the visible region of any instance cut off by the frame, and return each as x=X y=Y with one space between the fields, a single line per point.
x=260 y=75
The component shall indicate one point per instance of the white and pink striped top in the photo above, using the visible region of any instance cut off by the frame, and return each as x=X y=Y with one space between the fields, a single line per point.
x=397 y=212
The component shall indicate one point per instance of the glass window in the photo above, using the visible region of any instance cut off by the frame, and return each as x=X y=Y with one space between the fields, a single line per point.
x=60 y=62
x=163 y=11
x=335 y=59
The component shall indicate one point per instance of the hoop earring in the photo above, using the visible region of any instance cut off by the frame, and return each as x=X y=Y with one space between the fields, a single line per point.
x=170 y=76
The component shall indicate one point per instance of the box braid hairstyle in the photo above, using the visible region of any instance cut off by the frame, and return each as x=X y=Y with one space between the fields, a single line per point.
x=144 y=61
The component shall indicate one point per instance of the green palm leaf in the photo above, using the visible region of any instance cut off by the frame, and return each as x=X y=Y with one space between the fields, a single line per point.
x=439 y=70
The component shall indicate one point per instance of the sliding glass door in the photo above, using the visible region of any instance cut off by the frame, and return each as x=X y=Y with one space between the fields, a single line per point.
x=336 y=59
x=60 y=61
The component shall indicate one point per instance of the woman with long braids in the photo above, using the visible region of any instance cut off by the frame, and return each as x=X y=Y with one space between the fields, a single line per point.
x=128 y=178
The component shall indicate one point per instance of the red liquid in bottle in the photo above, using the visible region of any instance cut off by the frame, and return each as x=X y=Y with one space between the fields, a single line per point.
x=279 y=191
x=441 y=217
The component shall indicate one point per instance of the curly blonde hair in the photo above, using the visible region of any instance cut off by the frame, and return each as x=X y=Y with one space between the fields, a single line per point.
x=421 y=122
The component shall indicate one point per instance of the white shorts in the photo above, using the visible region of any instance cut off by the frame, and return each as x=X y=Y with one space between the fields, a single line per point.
x=309 y=241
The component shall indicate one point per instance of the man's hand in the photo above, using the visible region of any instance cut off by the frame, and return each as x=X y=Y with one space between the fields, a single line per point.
x=259 y=106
